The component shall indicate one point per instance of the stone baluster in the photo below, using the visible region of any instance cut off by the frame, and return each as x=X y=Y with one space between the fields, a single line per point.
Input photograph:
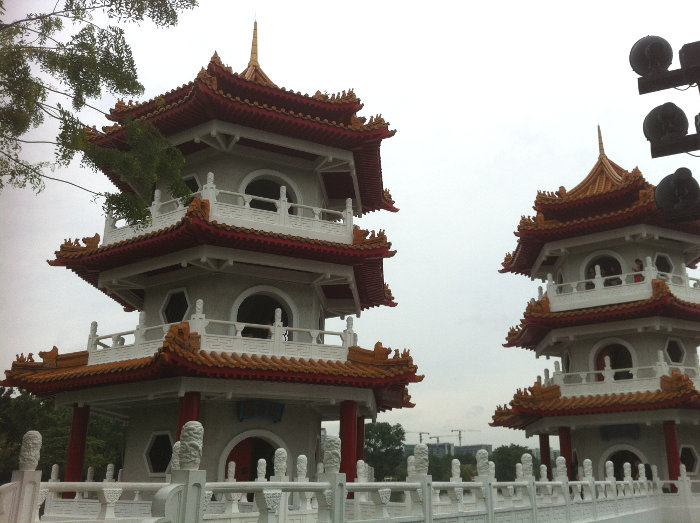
x=627 y=488
x=331 y=504
x=684 y=275
x=110 y=225
x=361 y=478
x=650 y=272
x=611 y=486
x=24 y=505
x=155 y=206
x=348 y=216
x=92 y=337
x=278 y=333
x=198 y=320
x=89 y=478
x=540 y=292
x=557 y=377
x=527 y=496
x=283 y=206
x=551 y=287
x=608 y=373
x=302 y=500
x=231 y=499
x=349 y=336
x=140 y=330
x=209 y=191
x=561 y=483
x=598 y=280
x=109 y=474
x=108 y=497
x=544 y=491
x=642 y=478
x=661 y=365
x=280 y=474
x=588 y=487
x=246 y=200
x=547 y=381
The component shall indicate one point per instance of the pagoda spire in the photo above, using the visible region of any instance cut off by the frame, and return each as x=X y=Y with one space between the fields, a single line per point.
x=254 y=47
x=601 y=149
x=254 y=72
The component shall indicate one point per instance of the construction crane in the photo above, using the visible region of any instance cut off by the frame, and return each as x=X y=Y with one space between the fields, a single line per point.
x=420 y=434
x=459 y=432
x=437 y=438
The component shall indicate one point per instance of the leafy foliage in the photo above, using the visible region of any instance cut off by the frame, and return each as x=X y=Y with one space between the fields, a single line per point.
x=79 y=67
x=22 y=412
x=384 y=448
x=505 y=458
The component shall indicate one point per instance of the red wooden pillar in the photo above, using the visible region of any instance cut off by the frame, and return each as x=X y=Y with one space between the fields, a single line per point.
x=565 y=448
x=360 y=453
x=189 y=410
x=673 y=456
x=348 y=439
x=75 y=459
x=546 y=454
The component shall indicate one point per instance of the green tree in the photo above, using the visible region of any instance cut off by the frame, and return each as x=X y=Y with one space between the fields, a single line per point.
x=384 y=448
x=20 y=412
x=505 y=458
x=74 y=67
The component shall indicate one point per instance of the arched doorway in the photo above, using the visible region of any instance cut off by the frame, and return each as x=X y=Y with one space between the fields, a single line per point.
x=620 y=358
x=246 y=455
x=619 y=458
x=267 y=188
x=260 y=309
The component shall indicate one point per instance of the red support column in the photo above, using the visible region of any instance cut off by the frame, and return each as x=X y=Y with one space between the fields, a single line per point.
x=189 y=410
x=75 y=459
x=545 y=454
x=565 y=448
x=673 y=456
x=348 y=439
x=360 y=453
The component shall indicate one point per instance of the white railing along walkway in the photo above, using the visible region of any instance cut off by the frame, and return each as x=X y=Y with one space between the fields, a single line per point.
x=245 y=210
x=188 y=498
x=225 y=337
x=619 y=288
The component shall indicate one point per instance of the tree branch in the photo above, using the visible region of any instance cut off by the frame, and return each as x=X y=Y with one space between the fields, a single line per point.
x=42 y=16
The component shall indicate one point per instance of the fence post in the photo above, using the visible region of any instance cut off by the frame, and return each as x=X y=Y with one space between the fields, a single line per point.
x=331 y=503
x=25 y=502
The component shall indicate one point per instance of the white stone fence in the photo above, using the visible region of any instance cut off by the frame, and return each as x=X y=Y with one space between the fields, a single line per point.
x=619 y=288
x=619 y=380
x=226 y=337
x=234 y=208
x=186 y=496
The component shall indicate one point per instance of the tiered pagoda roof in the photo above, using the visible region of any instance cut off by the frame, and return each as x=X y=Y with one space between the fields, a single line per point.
x=365 y=254
x=252 y=100
x=181 y=356
x=527 y=406
x=539 y=320
x=608 y=198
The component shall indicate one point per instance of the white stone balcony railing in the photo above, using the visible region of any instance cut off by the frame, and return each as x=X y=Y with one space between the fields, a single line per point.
x=233 y=208
x=616 y=381
x=225 y=337
x=620 y=288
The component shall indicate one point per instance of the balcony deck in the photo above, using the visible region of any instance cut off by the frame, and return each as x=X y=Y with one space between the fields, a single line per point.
x=619 y=288
x=225 y=337
x=245 y=210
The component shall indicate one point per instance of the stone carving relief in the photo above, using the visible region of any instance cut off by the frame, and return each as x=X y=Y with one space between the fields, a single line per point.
x=191 y=440
x=30 y=450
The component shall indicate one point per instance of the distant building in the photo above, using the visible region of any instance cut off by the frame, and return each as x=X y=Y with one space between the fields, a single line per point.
x=471 y=449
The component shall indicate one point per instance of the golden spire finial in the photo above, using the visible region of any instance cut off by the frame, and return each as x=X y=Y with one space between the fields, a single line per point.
x=601 y=149
x=254 y=46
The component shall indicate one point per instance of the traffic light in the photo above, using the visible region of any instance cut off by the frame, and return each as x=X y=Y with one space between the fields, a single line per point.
x=666 y=126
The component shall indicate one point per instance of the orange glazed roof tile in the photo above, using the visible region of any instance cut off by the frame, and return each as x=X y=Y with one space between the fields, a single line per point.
x=181 y=355
x=538 y=320
x=527 y=406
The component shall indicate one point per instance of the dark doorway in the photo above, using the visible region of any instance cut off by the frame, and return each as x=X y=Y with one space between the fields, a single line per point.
x=260 y=309
x=621 y=457
x=246 y=455
x=620 y=358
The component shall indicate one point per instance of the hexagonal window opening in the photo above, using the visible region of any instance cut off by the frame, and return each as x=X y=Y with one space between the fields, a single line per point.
x=663 y=263
x=689 y=458
x=675 y=351
x=159 y=452
x=192 y=183
x=176 y=305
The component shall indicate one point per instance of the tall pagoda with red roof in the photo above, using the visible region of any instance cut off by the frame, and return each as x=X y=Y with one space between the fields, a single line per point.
x=621 y=317
x=234 y=287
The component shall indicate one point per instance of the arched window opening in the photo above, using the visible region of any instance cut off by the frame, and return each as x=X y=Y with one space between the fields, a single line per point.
x=566 y=363
x=260 y=309
x=192 y=183
x=689 y=458
x=619 y=459
x=620 y=358
x=270 y=189
x=609 y=266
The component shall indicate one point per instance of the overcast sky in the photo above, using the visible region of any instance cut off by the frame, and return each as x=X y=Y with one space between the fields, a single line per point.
x=491 y=103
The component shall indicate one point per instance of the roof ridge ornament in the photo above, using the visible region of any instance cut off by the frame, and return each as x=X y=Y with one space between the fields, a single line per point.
x=601 y=149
